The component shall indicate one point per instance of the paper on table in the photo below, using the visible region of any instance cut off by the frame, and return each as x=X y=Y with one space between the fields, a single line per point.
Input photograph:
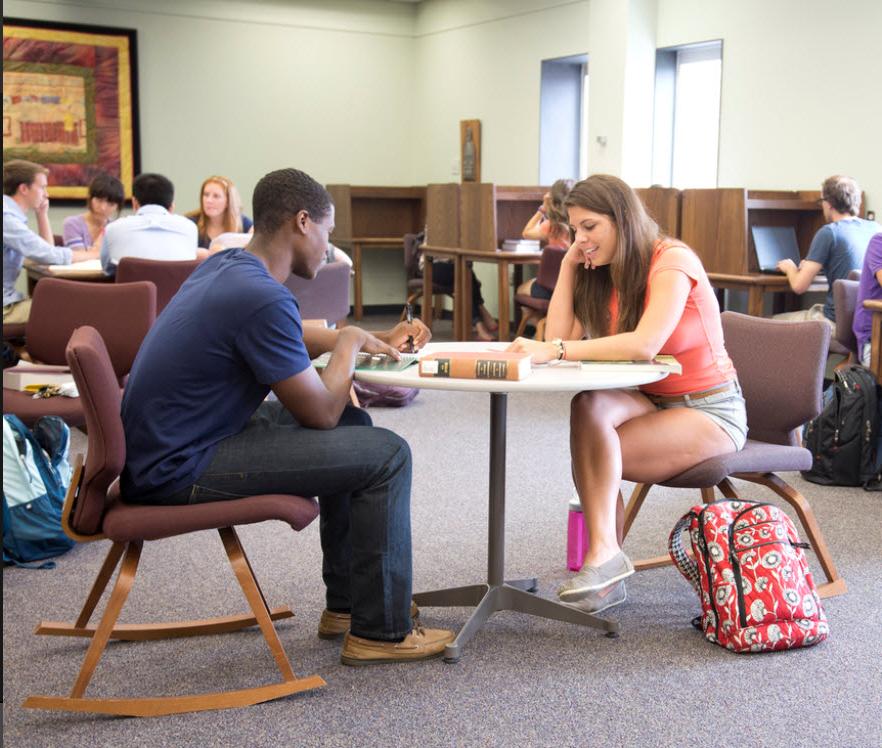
x=86 y=266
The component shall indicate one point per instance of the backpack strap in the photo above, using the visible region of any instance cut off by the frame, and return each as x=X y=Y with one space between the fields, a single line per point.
x=687 y=566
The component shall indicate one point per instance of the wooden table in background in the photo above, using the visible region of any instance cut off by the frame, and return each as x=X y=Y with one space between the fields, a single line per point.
x=462 y=287
x=502 y=260
x=757 y=286
x=357 y=243
x=38 y=272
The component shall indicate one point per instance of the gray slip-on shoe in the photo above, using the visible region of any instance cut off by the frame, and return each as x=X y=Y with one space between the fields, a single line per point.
x=592 y=578
x=599 y=600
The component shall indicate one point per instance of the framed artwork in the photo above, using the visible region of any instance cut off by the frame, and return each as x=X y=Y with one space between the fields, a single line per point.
x=70 y=102
x=470 y=149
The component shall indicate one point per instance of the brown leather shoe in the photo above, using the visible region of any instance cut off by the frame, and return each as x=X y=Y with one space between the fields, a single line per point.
x=419 y=644
x=334 y=625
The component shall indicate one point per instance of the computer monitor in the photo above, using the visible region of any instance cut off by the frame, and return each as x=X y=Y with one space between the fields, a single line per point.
x=773 y=244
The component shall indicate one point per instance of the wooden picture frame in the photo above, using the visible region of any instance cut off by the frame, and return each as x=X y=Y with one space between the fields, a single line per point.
x=470 y=150
x=70 y=102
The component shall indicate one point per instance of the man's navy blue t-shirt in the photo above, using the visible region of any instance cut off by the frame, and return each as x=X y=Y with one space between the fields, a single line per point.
x=204 y=368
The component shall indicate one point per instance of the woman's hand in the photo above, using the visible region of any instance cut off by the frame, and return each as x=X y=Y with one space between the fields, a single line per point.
x=540 y=352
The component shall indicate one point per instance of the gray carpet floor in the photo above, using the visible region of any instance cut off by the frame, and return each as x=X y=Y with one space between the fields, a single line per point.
x=521 y=682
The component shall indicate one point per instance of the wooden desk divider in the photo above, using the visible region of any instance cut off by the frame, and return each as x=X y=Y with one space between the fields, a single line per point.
x=716 y=223
x=442 y=214
x=491 y=214
x=377 y=211
x=663 y=204
x=375 y=217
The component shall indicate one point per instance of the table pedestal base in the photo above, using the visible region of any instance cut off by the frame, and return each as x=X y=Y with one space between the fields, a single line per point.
x=516 y=595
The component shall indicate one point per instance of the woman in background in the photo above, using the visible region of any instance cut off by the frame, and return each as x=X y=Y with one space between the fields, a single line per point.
x=549 y=224
x=86 y=230
x=220 y=211
x=636 y=294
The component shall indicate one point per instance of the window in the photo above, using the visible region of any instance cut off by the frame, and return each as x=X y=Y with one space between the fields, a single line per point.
x=686 y=131
x=563 y=120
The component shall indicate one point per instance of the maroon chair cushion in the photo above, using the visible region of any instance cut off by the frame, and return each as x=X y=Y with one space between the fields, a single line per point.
x=324 y=297
x=549 y=266
x=29 y=410
x=101 y=399
x=14 y=330
x=524 y=299
x=121 y=313
x=756 y=457
x=125 y=522
x=99 y=507
x=781 y=369
x=167 y=275
x=845 y=293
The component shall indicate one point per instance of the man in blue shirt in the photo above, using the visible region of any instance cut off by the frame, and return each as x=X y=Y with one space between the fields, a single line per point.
x=837 y=248
x=198 y=427
x=25 y=188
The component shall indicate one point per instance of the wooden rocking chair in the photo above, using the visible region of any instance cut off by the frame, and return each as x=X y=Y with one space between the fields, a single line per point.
x=93 y=511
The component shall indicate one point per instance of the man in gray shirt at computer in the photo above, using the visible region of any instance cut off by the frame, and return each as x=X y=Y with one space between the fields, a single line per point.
x=837 y=248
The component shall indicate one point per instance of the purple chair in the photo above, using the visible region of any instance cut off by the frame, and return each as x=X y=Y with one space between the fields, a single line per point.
x=122 y=312
x=94 y=510
x=532 y=309
x=324 y=297
x=781 y=369
x=167 y=275
x=844 y=342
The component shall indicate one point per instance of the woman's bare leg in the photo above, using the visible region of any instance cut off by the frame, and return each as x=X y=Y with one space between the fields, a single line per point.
x=616 y=433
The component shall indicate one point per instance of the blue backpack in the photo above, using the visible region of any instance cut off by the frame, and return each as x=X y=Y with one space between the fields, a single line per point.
x=36 y=474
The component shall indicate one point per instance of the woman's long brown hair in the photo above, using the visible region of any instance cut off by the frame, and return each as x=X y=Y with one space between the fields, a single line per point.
x=636 y=234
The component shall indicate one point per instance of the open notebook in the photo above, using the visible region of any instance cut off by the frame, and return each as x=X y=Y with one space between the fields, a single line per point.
x=368 y=362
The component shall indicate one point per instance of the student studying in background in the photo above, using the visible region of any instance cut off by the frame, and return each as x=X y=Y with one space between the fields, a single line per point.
x=219 y=211
x=837 y=248
x=198 y=426
x=636 y=294
x=548 y=224
x=154 y=232
x=25 y=188
x=870 y=288
x=86 y=230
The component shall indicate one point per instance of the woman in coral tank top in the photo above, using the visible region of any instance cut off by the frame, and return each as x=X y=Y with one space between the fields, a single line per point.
x=635 y=294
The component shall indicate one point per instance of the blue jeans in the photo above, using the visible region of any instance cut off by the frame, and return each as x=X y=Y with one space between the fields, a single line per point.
x=362 y=476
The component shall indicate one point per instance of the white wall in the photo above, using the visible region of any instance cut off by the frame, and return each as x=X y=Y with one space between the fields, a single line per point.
x=801 y=88
x=371 y=92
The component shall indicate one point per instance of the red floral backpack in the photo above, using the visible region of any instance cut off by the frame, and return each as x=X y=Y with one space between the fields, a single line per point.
x=750 y=572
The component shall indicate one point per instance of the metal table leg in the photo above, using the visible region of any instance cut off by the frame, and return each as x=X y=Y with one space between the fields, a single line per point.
x=498 y=594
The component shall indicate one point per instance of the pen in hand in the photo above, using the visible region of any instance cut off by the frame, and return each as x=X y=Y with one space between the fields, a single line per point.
x=408 y=312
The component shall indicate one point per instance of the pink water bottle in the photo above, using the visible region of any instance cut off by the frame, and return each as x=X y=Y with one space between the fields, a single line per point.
x=577 y=536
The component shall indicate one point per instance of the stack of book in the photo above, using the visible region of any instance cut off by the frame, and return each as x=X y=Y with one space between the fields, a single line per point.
x=520 y=245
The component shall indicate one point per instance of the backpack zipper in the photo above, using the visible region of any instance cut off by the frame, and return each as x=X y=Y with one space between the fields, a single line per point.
x=736 y=565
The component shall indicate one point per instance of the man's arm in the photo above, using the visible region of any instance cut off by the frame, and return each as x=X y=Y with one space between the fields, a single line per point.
x=801 y=277
x=317 y=401
x=18 y=236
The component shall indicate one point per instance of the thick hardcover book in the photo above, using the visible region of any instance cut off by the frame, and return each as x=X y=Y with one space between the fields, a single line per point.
x=666 y=364
x=28 y=376
x=476 y=365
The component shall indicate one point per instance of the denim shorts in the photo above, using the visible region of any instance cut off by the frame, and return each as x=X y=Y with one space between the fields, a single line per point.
x=726 y=409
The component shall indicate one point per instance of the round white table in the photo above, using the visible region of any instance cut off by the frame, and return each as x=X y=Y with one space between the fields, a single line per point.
x=498 y=593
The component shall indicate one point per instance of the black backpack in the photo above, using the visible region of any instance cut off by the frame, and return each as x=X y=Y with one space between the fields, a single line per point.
x=842 y=439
